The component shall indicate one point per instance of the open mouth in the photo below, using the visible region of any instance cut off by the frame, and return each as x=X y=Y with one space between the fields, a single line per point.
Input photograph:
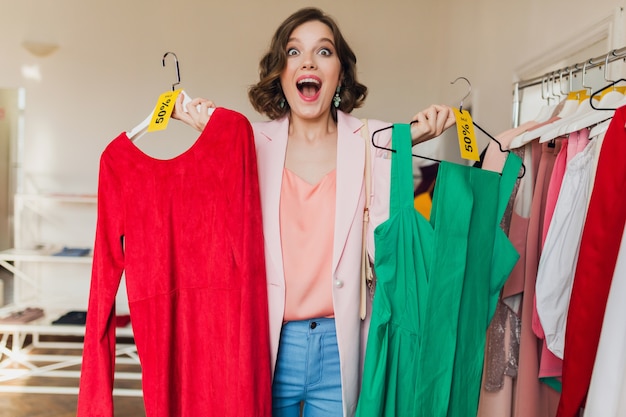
x=309 y=87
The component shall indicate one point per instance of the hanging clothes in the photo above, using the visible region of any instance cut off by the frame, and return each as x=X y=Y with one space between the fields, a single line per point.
x=502 y=344
x=549 y=364
x=526 y=395
x=423 y=195
x=532 y=398
x=187 y=234
x=599 y=248
x=560 y=253
x=509 y=360
x=438 y=282
x=607 y=390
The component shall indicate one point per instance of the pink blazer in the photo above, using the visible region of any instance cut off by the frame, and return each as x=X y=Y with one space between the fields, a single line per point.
x=271 y=145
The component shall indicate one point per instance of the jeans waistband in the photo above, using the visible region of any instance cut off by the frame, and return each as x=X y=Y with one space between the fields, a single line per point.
x=320 y=325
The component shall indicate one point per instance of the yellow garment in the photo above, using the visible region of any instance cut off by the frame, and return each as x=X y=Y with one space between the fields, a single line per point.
x=423 y=203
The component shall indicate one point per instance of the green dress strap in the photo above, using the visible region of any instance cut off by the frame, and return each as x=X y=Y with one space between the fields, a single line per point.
x=401 y=194
x=404 y=245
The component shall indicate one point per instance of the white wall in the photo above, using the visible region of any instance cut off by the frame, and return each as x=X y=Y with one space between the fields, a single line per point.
x=107 y=74
x=506 y=41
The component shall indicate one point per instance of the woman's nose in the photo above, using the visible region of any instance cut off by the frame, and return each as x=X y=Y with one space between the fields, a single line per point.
x=308 y=63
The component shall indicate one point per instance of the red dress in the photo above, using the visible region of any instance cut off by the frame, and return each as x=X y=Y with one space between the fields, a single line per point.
x=187 y=234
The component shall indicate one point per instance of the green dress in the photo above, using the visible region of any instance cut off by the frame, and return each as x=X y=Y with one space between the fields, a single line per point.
x=438 y=283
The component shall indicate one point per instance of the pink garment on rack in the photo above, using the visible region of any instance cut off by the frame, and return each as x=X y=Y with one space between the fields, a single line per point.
x=501 y=354
x=581 y=144
x=547 y=122
x=556 y=179
x=532 y=398
x=505 y=403
x=551 y=366
x=515 y=284
x=494 y=158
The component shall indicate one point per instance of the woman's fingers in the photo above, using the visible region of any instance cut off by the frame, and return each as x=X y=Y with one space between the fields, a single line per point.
x=195 y=113
x=431 y=122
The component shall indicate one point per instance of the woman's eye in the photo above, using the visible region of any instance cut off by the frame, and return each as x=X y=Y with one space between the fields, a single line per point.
x=292 y=52
x=325 y=52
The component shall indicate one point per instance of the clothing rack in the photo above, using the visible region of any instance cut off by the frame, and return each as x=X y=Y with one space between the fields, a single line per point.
x=614 y=55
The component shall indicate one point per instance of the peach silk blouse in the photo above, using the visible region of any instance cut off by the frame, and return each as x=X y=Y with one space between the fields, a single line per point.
x=307 y=221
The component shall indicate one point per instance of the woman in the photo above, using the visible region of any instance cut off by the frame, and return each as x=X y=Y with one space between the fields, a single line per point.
x=310 y=160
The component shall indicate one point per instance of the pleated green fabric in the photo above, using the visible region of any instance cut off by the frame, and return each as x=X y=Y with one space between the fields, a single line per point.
x=438 y=283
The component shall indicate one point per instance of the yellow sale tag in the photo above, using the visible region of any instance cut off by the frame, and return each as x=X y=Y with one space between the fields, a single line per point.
x=467 y=137
x=163 y=110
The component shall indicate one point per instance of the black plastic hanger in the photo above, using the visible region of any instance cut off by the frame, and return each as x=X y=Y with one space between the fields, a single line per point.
x=177 y=68
x=438 y=160
x=461 y=110
x=601 y=90
x=499 y=144
x=393 y=150
x=612 y=83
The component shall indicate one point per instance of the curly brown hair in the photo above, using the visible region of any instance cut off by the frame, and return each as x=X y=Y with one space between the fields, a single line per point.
x=266 y=96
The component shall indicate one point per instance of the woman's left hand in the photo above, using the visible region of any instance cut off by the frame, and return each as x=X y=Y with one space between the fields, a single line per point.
x=431 y=122
x=195 y=114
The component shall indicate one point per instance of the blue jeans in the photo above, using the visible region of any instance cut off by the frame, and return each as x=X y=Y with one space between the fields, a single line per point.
x=307 y=370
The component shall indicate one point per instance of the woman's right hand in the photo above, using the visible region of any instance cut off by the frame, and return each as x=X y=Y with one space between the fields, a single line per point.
x=195 y=113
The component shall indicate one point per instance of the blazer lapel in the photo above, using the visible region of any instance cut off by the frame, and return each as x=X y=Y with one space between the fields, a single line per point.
x=350 y=166
x=271 y=160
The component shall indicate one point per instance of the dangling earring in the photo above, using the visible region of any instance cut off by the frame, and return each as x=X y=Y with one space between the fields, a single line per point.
x=282 y=103
x=336 y=98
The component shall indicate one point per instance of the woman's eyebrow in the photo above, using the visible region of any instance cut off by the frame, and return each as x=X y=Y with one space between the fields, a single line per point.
x=319 y=41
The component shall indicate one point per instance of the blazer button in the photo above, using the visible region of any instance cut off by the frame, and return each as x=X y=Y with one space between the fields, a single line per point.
x=338 y=283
